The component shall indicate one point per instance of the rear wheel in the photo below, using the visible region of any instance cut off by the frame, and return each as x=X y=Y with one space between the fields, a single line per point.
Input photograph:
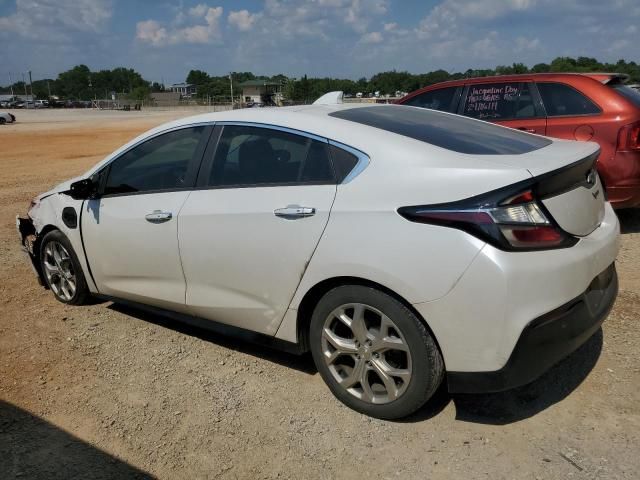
x=375 y=355
x=3 y=120
x=62 y=270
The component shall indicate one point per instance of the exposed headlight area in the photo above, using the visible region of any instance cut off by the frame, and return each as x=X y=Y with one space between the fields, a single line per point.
x=508 y=221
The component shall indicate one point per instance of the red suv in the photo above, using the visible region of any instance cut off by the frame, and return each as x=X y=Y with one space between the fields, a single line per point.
x=597 y=107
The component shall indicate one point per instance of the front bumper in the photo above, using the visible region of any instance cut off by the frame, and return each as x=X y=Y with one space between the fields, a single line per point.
x=28 y=238
x=546 y=340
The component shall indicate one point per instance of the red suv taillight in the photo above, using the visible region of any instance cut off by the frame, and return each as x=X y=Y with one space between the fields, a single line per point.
x=629 y=138
x=512 y=222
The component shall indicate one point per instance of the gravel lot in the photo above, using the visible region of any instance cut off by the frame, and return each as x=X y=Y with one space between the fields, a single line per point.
x=105 y=391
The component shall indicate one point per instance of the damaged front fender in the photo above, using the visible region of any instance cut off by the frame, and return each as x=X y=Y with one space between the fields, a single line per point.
x=28 y=241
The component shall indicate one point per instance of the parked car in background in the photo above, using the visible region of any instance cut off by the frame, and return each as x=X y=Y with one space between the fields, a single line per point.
x=596 y=107
x=41 y=104
x=6 y=117
x=399 y=245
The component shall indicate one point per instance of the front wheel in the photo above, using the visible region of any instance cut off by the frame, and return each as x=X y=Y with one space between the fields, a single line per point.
x=373 y=352
x=62 y=270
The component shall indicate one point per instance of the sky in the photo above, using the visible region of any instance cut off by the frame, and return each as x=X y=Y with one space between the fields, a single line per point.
x=338 y=38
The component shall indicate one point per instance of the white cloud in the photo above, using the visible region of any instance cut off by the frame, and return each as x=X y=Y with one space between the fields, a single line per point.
x=206 y=30
x=151 y=32
x=371 y=37
x=242 y=20
x=56 y=20
x=523 y=44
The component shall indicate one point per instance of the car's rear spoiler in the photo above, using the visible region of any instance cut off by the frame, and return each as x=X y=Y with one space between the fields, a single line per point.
x=609 y=78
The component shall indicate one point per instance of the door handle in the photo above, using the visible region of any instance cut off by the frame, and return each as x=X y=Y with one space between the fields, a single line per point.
x=528 y=130
x=158 y=216
x=293 y=212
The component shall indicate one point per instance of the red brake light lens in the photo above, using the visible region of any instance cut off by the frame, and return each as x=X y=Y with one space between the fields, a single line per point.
x=515 y=223
x=629 y=137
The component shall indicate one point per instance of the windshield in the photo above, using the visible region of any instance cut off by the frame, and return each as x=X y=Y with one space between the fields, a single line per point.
x=453 y=132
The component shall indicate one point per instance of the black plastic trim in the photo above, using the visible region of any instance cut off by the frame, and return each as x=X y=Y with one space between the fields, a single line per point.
x=211 y=325
x=546 y=340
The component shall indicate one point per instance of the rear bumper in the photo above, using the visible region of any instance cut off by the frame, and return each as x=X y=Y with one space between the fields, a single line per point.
x=546 y=340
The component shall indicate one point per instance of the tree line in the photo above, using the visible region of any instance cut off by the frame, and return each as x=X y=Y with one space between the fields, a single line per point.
x=80 y=83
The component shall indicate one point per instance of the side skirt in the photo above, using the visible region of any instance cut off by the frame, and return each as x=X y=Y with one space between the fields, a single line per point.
x=211 y=325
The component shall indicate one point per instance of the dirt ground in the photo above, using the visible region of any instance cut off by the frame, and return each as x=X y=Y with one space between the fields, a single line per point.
x=108 y=392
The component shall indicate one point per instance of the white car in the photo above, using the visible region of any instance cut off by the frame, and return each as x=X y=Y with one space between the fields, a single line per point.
x=6 y=117
x=400 y=245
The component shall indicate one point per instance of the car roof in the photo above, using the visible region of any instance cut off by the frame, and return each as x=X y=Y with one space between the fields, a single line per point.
x=521 y=77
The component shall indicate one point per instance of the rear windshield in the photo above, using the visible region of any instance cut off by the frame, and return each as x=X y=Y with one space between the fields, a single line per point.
x=629 y=93
x=452 y=132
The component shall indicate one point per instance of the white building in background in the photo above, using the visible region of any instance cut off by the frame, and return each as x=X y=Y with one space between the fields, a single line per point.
x=184 y=89
x=261 y=92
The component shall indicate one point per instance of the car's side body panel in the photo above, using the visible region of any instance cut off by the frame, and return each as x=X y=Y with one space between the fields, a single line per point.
x=131 y=257
x=242 y=263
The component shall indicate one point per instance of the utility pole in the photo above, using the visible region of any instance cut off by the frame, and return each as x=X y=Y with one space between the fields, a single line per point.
x=11 y=83
x=31 y=86
x=49 y=88
x=231 y=82
x=26 y=95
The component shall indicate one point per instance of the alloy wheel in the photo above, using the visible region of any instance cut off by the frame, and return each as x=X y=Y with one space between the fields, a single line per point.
x=366 y=353
x=58 y=268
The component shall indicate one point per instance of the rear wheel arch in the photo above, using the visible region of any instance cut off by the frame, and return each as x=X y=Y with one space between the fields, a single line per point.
x=315 y=293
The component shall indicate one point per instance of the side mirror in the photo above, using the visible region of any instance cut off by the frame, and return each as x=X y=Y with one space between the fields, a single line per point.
x=83 y=189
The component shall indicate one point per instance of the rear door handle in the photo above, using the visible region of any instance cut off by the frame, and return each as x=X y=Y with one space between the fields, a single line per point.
x=158 y=216
x=293 y=212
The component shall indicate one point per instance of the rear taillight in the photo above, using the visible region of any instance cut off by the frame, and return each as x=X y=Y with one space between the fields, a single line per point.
x=518 y=222
x=629 y=138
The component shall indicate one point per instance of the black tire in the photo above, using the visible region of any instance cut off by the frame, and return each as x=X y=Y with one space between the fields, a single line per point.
x=3 y=120
x=427 y=365
x=81 y=294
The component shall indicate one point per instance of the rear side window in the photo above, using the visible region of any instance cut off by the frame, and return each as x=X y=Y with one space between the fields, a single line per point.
x=263 y=156
x=499 y=101
x=629 y=93
x=560 y=100
x=343 y=162
x=443 y=99
x=161 y=163
x=444 y=130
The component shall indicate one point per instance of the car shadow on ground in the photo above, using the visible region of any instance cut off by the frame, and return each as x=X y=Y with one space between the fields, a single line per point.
x=31 y=447
x=302 y=363
x=629 y=220
x=491 y=408
x=519 y=403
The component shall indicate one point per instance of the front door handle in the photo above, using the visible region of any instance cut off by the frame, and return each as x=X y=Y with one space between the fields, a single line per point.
x=158 y=216
x=293 y=212
x=528 y=130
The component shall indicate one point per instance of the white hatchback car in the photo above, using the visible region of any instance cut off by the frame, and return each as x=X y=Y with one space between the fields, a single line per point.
x=401 y=246
x=6 y=117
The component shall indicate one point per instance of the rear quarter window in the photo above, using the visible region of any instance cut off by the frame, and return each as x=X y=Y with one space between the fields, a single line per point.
x=629 y=93
x=562 y=100
x=453 y=132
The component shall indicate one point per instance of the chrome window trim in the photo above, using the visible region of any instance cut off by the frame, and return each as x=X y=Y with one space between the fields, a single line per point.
x=363 y=160
x=145 y=139
x=269 y=126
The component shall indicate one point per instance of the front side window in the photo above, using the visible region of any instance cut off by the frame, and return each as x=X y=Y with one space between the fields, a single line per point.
x=161 y=163
x=560 y=100
x=263 y=156
x=499 y=101
x=442 y=99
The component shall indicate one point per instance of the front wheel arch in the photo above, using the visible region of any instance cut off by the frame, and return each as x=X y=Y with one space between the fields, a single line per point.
x=315 y=293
